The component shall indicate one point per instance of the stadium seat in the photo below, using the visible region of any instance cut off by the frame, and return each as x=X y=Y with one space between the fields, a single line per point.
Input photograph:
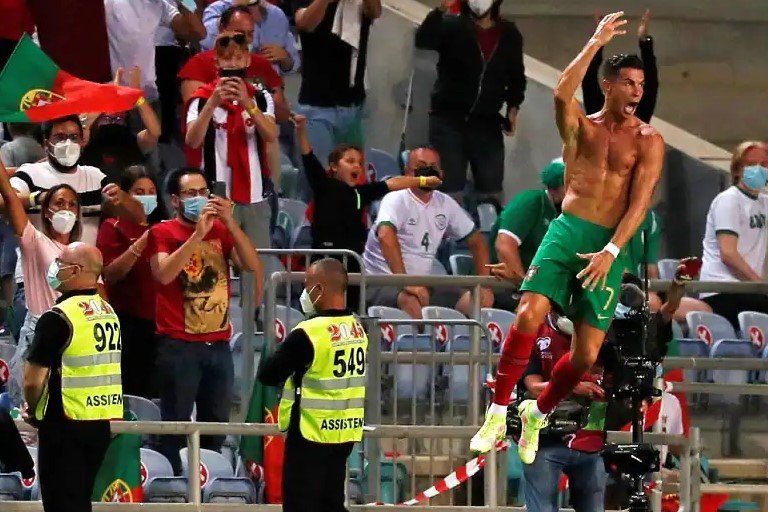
x=7 y=352
x=394 y=478
x=709 y=327
x=160 y=486
x=10 y=487
x=486 y=216
x=302 y=237
x=667 y=268
x=145 y=410
x=445 y=333
x=730 y=349
x=677 y=331
x=498 y=322
x=457 y=375
x=218 y=481
x=389 y=333
x=413 y=380
x=462 y=265
x=693 y=347
x=356 y=461
x=296 y=210
x=285 y=320
x=380 y=163
x=754 y=327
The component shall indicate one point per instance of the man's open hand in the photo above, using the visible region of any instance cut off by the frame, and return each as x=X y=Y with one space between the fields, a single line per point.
x=609 y=27
x=596 y=271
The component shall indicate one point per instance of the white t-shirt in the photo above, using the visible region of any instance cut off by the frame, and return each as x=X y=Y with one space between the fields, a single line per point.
x=86 y=180
x=420 y=229
x=131 y=29
x=223 y=171
x=671 y=419
x=733 y=211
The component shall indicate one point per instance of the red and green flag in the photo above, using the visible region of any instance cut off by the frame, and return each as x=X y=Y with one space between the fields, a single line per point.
x=263 y=455
x=119 y=477
x=34 y=89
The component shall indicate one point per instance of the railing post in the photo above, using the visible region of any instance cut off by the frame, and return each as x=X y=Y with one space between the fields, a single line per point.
x=193 y=467
x=249 y=328
x=373 y=404
x=685 y=476
x=474 y=366
x=695 y=493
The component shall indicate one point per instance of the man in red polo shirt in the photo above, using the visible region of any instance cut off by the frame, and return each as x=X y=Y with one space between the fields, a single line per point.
x=190 y=257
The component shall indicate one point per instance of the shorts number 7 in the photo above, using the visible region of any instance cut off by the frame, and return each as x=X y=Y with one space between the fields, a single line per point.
x=610 y=297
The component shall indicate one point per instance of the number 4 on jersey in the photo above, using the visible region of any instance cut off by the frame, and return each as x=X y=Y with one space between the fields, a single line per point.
x=425 y=242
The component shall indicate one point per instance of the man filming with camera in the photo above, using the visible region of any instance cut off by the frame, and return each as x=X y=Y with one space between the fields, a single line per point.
x=572 y=442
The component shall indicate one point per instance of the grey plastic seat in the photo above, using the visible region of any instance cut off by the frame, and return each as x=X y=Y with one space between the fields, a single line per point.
x=667 y=268
x=444 y=333
x=486 y=216
x=389 y=333
x=145 y=410
x=737 y=349
x=160 y=486
x=218 y=481
x=498 y=322
x=380 y=163
x=413 y=380
x=295 y=208
x=457 y=375
x=709 y=327
x=462 y=265
x=754 y=327
x=10 y=487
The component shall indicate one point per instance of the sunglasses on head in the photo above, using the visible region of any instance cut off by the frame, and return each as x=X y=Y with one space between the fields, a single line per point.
x=238 y=39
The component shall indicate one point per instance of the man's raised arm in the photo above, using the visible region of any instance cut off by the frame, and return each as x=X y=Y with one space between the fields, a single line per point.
x=568 y=114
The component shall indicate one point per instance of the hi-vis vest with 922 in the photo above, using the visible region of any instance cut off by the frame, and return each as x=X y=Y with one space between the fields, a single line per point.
x=91 y=388
x=332 y=393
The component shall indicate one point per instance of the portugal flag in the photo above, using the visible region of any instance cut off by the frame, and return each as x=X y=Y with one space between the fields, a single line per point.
x=263 y=456
x=34 y=89
x=119 y=477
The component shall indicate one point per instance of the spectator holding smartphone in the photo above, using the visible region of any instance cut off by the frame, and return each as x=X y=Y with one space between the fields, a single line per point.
x=229 y=124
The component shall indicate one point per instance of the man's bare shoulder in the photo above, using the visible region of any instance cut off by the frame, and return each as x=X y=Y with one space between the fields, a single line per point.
x=648 y=133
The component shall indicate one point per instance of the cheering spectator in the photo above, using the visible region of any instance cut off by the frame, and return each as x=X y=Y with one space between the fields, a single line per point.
x=410 y=226
x=233 y=121
x=590 y=85
x=129 y=281
x=339 y=217
x=190 y=258
x=60 y=226
x=736 y=239
x=63 y=141
x=131 y=27
x=471 y=87
x=23 y=149
x=334 y=41
x=273 y=38
x=111 y=145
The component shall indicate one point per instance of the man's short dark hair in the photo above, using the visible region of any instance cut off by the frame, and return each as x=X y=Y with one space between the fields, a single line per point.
x=174 y=179
x=226 y=16
x=615 y=64
x=48 y=125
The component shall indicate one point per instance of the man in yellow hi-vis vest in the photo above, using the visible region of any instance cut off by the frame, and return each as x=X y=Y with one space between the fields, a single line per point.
x=322 y=363
x=72 y=381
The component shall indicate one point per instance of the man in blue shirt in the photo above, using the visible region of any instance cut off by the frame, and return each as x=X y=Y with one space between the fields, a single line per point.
x=272 y=35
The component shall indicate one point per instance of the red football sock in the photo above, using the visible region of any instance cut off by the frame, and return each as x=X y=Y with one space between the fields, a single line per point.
x=514 y=359
x=564 y=378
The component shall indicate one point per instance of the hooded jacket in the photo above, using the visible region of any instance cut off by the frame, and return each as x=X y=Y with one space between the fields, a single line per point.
x=469 y=87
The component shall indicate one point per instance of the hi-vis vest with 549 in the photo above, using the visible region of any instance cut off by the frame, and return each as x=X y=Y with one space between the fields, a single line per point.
x=91 y=388
x=332 y=393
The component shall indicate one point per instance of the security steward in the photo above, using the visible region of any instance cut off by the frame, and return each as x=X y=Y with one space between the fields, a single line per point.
x=322 y=363
x=72 y=381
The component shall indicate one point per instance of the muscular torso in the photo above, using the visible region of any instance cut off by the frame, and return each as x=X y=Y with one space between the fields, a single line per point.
x=599 y=170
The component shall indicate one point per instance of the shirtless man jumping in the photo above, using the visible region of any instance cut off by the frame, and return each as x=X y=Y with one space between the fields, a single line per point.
x=613 y=162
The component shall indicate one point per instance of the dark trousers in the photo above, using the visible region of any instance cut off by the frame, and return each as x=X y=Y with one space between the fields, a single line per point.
x=70 y=454
x=193 y=373
x=477 y=143
x=168 y=62
x=138 y=356
x=314 y=474
x=729 y=305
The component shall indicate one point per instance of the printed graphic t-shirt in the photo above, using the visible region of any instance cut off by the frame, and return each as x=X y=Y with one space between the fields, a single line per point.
x=195 y=305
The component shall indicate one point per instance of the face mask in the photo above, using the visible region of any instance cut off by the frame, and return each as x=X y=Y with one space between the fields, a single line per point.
x=755 y=177
x=426 y=171
x=307 y=305
x=66 y=152
x=149 y=203
x=193 y=207
x=63 y=221
x=480 y=7
x=52 y=276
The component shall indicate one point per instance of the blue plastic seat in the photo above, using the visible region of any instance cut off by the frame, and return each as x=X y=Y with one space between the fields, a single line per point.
x=739 y=349
x=693 y=347
x=413 y=380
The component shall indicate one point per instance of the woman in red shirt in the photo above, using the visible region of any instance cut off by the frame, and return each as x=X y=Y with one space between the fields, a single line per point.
x=129 y=281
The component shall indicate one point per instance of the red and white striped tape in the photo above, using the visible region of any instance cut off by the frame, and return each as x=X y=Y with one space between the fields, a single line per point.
x=458 y=477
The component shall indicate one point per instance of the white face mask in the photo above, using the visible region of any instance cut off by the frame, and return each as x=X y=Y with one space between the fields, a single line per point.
x=66 y=152
x=307 y=305
x=480 y=7
x=63 y=221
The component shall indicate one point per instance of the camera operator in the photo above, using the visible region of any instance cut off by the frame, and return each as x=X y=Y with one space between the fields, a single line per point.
x=624 y=341
x=565 y=446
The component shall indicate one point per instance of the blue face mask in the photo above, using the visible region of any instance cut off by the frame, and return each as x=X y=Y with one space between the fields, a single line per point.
x=149 y=203
x=193 y=207
x=755 y=177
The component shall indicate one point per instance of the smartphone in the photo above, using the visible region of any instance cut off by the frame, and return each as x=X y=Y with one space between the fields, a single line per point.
x=228 y=73
x=220 y=189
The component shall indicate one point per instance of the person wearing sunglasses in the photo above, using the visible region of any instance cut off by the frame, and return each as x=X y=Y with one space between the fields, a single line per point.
x=229 y=124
